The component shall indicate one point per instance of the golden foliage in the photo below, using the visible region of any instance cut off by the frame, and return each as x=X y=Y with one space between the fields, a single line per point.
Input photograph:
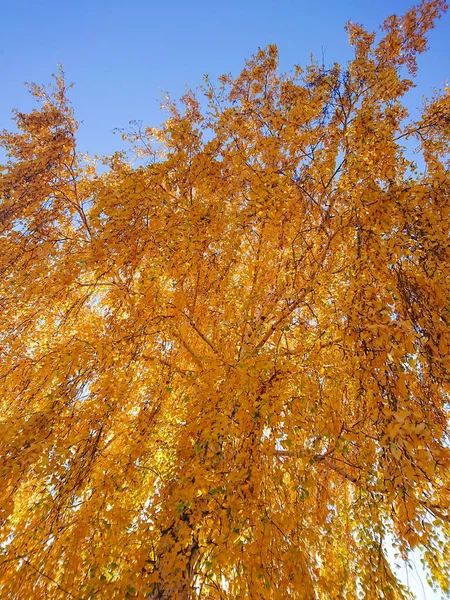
x=225 y=374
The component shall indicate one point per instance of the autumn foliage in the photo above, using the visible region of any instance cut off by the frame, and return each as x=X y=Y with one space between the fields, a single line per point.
x=225 y=367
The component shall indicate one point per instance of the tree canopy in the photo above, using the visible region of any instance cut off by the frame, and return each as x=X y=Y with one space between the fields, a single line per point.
x=225 y=366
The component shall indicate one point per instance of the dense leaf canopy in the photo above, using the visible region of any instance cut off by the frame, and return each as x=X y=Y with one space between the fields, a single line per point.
x=225 y=366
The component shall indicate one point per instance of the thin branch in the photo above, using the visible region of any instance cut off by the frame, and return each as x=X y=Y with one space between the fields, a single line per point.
x=26 y=561
x=201 y=334
x=325 y=461
x=435 y=511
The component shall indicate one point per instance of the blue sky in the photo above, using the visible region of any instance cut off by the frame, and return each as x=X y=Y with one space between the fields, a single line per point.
x=122 y=55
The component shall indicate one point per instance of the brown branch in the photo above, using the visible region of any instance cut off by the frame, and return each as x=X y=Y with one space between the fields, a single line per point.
x=282 y=317
x=199 y=333
x=339 y=470
x=42 y=574
x=417 y=129
x=328 y=463
x=435 y=511
x=325 y=461
x=191 y=352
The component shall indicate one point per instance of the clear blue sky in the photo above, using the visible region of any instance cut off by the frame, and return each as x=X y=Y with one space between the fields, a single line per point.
x=121 y=55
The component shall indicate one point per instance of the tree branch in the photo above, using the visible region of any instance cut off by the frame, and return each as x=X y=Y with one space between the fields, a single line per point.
x=325 y=461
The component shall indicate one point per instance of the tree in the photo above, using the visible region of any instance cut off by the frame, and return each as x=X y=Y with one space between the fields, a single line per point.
x=225 y=371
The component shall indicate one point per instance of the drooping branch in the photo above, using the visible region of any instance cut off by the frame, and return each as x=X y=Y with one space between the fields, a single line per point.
x=323 y=460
